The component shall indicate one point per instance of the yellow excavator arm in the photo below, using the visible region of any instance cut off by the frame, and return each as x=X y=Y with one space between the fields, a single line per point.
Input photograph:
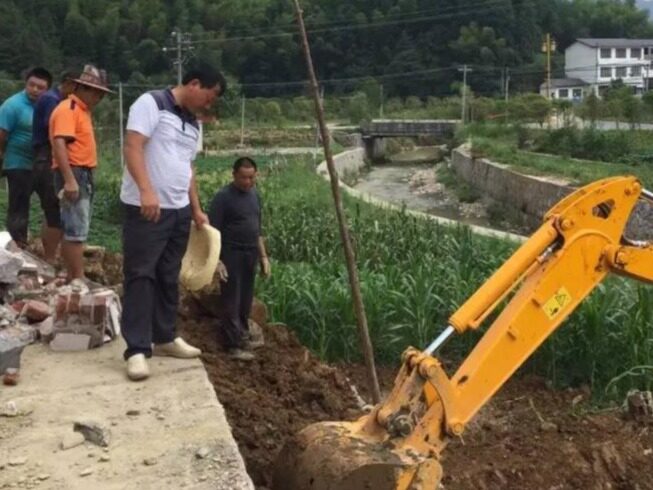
x=397 y=446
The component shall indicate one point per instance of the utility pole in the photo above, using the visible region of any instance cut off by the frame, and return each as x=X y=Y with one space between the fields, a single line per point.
x=548 y=46
x=242 y=121
x=181 y=45
x=317 y=130
x=464 y=69
x=381 y=101
x=507 y=82
x=122 y=129
x=179 y=60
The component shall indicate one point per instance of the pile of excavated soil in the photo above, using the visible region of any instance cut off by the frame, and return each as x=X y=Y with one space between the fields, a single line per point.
x=531 y=437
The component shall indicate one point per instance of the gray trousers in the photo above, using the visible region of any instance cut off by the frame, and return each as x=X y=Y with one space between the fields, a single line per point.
x=237 y=294
x=151 y=263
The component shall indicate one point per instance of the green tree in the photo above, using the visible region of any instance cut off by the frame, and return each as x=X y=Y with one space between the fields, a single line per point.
x=619 y=103
x=413 y=103
x=647 y=101
x=106 y=37
x=77 y=37
x=529 y=108
x=358 y=109
x=590 y=109
x=150 y=57
x=271 y=112
x=564 y=108
x=480 y=45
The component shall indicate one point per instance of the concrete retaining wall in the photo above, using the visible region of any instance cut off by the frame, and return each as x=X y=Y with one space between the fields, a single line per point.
x=530 y=195
x=349 y=162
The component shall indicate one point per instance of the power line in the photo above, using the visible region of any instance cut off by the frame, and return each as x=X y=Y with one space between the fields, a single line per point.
x=470 y=8
x=514 y=70
x=350 y=26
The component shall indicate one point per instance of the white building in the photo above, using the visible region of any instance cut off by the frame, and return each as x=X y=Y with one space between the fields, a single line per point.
x=572 y=89
x=598 y=62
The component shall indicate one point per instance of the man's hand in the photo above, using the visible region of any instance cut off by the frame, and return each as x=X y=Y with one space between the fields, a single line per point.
x=222 y=272
x=266 y=270
x=71 y=190
x=150 y=207
x=200 y=218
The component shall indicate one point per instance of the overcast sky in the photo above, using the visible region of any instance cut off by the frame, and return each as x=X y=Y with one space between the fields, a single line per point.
x=646 y=4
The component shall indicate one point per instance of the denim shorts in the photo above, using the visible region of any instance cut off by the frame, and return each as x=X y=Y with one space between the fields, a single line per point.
x=76 y=216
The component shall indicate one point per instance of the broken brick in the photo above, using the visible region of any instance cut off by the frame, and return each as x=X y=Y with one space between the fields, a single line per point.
x=36 y=311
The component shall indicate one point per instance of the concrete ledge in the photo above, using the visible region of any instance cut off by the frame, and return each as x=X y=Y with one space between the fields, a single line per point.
x=351 y=162
x=533 y=196
x=530 y=195
x=172 y=415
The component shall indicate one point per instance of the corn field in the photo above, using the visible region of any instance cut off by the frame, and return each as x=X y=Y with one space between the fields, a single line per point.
x=414 y=274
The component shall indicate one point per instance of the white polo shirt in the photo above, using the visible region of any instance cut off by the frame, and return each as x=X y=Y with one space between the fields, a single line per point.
x=173 y=134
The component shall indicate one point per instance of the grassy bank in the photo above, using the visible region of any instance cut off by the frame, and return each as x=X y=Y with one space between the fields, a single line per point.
x=502 y=143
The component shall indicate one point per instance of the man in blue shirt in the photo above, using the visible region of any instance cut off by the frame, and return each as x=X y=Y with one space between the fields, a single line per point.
x=16 y=153
x=42 y=174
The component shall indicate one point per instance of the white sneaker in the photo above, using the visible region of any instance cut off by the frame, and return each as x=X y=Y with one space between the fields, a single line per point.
x=137 y=368
x=178 y=348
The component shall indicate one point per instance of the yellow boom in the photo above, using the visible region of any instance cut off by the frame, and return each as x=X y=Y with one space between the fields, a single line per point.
x=398 y=445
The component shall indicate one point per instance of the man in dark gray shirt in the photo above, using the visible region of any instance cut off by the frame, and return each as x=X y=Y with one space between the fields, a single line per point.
x=236 y=212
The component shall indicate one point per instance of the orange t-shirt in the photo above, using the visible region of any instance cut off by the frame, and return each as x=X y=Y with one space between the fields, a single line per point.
x=71 y=120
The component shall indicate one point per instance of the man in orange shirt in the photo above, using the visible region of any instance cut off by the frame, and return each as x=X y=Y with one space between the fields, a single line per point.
x=74 y=158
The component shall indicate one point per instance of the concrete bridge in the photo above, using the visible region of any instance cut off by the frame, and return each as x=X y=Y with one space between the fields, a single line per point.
x=376 y=131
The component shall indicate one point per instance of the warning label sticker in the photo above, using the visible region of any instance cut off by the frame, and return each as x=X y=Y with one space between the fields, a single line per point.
x=557 y=303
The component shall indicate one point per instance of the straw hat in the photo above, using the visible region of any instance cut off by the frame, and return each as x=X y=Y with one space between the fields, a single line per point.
x=201 y=259
x=95 y=78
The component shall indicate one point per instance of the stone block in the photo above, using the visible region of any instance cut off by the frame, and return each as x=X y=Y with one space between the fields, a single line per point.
x=10 y=266
x=67 y=342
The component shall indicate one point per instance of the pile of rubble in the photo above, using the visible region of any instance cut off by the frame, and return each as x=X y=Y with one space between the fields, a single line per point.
x=37 y=305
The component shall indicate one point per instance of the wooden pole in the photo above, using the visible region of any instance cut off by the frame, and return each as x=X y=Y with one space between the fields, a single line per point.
x=121 y=125
x=357 y=297
x=548 y=66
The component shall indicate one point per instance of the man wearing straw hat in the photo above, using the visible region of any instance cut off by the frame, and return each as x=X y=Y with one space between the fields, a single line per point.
x=74 y=157
x=160 y=199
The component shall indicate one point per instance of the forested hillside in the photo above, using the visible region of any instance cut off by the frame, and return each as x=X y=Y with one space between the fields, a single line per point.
x=413 y=46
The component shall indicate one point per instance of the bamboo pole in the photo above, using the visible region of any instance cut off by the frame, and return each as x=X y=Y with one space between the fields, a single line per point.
x=359 y=307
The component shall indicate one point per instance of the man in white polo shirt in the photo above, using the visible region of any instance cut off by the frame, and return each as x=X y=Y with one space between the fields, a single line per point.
x=160 y=199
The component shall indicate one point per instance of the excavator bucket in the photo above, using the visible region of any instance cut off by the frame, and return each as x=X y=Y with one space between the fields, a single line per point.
x=394 y=447
x=337 y=456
